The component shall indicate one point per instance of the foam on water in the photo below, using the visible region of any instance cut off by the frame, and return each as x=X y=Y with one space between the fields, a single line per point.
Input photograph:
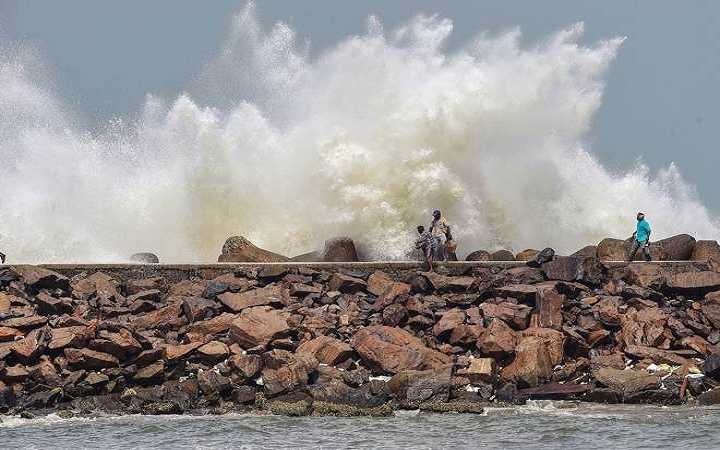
x=363 y=140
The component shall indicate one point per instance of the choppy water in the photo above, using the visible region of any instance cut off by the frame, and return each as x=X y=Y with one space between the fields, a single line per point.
x=537 y=426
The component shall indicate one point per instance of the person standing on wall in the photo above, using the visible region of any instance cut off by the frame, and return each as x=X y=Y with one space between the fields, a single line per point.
x=641 y=238
x=440 y=230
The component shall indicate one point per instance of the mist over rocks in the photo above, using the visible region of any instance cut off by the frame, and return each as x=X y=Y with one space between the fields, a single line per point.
x=301 y=340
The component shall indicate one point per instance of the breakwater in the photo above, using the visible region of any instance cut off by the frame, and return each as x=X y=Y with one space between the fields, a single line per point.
x=355 y=338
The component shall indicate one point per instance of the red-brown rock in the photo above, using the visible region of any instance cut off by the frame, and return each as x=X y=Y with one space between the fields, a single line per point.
x=273 y=294
x=258 y=326
x=380 y=284
x=88 y=359
x=498 y=340
x=326 y=350
x=393 y=350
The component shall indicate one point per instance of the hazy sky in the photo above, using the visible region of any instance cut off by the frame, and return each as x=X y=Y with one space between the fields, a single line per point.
x=662 y=95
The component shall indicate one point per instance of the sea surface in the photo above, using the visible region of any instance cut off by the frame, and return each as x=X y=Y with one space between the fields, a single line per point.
x=539 y=425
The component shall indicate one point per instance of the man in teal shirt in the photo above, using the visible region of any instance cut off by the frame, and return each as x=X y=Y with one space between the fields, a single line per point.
x=641 y=238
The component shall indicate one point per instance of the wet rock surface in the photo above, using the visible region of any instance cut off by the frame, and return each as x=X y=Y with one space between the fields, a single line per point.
x=312 y=340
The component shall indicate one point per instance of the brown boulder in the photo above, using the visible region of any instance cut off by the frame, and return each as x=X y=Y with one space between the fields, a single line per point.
x=502 y=255
x=678 y=248
x=657 y=355
x=199 y=330
x=340 y=249
x=645 y=327
x=478 y=255
x=326 y=349
x=380 y=284
x=248 y=365
x=36 y=278
x=258 y=326
x=239 y=249
x=549 y=307
x=151 y=373
x=527 y=255
x=607 y=310
x=627 y=381
x=9 y=334
x=480 y=370
x=694 y=282
x=498 y=340
x=553 y=340
x=532 y=364
x=393 y=349
x=24 y=322
x=412 y=387
x=448 y=322
x=646 y=275
x=28 y=348
x=510 y=313
x=121 y=344
x=273 y=294
x=76 y=336
x=705 y=250
x=176 y=352
x=213 y=351
x=443 y=284
x=98 y=283
x=567 y=268
x=89 y=359
x=289 y=376
x=168 y=317
x=346 y=284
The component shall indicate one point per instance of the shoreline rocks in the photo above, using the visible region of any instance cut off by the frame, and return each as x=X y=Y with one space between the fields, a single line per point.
x=352 y=341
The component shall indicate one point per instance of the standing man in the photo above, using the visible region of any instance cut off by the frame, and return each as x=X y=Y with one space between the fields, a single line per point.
x=439 y=229
x=641 y=238
x=2 y=258
x=426 y=243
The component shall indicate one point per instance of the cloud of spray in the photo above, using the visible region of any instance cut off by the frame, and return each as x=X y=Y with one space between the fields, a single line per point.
x=364 y=140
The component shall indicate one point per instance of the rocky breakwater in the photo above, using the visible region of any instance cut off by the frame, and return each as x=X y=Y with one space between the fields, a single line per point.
x=301 y=340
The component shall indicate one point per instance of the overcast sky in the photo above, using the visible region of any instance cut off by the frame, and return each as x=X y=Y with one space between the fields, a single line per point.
x=662 y=95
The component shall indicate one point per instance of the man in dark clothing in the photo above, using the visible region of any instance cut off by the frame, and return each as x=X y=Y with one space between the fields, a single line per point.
x=426 y=243
x=2 y=258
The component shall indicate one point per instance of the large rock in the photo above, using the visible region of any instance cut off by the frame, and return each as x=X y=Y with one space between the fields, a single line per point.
x=532 y=364
x=89 y=359
x=290 y=375
x=239 y=249
x=443 y=284
x=340 y=249
x=549 y=307
x=268 y=295
x=511 y=313
x=36 y=278
x=145 y=258
x=502 y=255
x=449 y=321
x=258 y=326
x=326 y=349
x=380 y=284
x=705 y=250
x=552 y=340
x=498 y=340
x=199 y=330
x=478 y=255
x=567 y=268
x=657 y=355
x=645 y=327
x=393 y=350
x=412 y=387
x=527 y=255
x=678 y=248
x=694 y=283
x=628 y=381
